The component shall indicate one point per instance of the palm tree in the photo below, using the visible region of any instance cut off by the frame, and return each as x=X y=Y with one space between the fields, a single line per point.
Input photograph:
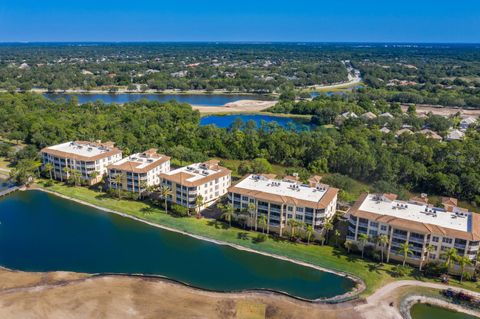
x=93 y=175
x=262 y=221
x=309 y=233
x=348 y=245
x=463 y=261
x=322 y=239
x=337 y=236
x=383 y=241
x=430 y=249
x=75 y=177
x=65 y=170
x=450 y=256
x=118 y=180
x=198 y=204
x=292 y=223
x=252 y=212
x=328 y=226
x=142 y=185
x=363 y=238
x=405 y=249
x=165 y=192
x=49 y=168
x=228 y=212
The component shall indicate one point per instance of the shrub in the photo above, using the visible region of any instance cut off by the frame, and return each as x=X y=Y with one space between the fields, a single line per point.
x=179 y=210
x=434 y=269
x=401 y=271
x=260 y=238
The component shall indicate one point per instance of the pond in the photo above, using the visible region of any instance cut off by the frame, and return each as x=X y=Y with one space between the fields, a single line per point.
x=199 y=99
x=225 y=121
x=42 y=232
x=426 y=311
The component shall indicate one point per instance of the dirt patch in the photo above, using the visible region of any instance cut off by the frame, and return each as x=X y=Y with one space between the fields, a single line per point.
x=69 y=295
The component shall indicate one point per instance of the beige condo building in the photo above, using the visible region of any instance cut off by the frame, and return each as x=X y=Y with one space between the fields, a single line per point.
x=89 y=159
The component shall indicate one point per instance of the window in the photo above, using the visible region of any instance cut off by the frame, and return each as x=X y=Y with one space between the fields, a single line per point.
x=435 y=239
x=383 y=227
x=447 y=240
x=374 y=224
x=290 y=208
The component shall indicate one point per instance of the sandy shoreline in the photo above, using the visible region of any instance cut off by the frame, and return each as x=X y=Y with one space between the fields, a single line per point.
x=242 y=106
x=360 y=285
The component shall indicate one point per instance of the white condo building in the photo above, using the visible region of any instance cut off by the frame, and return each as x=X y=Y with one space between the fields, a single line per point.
x=280 y=200
x=208 y=180
x=89 y=159
x=138 y=171
x=417 y=223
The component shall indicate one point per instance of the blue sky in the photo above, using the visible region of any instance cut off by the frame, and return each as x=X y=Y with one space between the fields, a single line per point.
x=245 y=20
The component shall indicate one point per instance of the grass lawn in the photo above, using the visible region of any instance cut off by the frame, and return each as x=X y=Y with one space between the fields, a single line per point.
x=373 y=275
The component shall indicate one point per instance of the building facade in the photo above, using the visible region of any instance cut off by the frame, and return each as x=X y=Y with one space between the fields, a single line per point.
x=208 y=180
x=282 y=200
x=417 y=223
x=138 y=171
x=87 y=159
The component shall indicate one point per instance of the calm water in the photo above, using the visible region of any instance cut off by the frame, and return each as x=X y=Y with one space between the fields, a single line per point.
x=225 y=121
x=425 y=311
x=41 y=232
x=3 y=184
x=201 y=100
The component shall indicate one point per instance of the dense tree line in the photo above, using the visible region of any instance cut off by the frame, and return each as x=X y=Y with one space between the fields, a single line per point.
x=246 y=68
x=361 y=152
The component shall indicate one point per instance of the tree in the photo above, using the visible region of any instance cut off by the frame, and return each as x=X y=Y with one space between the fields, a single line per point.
x=49 y=168
x=198 y=204
x=363 y=239
x=309 y=233
x=328 y=226
x=293 y=224
x=463 y=261
x=450 y=256
x=405 y=250
x=142 y=185
x=337 y=236
x=429 y=249
x=93 y=175
x=252 y=212
x=228 y=213
x=262 y=221
x=164 y=193
x=383 y=241
x=118 y=180
x=348 y=245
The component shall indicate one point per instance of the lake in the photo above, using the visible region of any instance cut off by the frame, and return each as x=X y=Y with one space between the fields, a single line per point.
x=3 y=184
x=426 y=311
x=199 y=99
x=42 y=232
x=225 y=121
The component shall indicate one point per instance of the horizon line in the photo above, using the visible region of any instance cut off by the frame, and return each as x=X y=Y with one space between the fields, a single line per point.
x=239 y=42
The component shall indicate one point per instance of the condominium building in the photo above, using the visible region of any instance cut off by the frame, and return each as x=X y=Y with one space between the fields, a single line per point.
x=88 y=159
x=208 y=180
x=281 y=200
x=138 y=171
x=417 y=223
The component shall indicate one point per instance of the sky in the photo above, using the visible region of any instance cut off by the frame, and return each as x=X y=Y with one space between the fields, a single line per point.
x=241 y=20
